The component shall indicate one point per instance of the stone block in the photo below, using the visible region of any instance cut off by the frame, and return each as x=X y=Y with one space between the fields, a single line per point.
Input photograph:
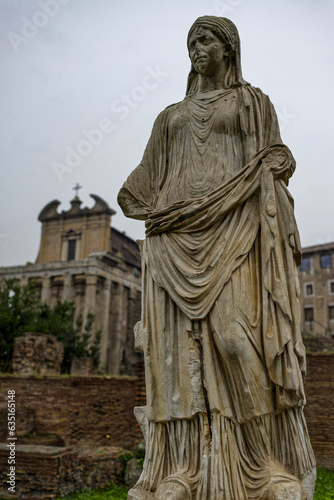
x=37 y=354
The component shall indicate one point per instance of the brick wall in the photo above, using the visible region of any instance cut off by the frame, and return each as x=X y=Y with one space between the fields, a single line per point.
x=80 y=410
x=319 y=410
x=46 y=472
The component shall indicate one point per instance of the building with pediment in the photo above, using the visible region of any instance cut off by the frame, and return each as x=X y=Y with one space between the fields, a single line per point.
x=83 y=259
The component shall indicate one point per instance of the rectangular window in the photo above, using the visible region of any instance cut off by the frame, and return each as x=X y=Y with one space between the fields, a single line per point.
x=309 y=289
x=325 y=260
x=308 y=314
x=331 y=287
x=306 y=264
x=71 y=249
x=331 y=312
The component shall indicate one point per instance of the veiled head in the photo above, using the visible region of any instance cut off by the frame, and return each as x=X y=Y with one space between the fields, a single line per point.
x=227 y=32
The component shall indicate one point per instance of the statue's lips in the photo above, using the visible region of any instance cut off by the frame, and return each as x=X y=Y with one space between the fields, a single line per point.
x=201 y=59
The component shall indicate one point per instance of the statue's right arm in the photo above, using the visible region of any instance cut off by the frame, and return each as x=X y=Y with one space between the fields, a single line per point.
x=138 y=195
x=133 y=197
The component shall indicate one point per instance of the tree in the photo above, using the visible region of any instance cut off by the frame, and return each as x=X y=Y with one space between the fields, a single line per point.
x=18 y=308
x=76 y=337
x=21 y=311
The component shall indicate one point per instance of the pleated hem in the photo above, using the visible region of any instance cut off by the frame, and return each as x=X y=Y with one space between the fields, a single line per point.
x=224 y=461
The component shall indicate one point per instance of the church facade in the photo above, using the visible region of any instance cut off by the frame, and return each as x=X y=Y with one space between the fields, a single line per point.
x=82 y=259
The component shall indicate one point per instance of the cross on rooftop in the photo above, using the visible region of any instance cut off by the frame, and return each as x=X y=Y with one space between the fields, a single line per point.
x=76 y=189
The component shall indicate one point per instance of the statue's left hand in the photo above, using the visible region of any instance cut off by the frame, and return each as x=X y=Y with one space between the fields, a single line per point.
x=279 y=163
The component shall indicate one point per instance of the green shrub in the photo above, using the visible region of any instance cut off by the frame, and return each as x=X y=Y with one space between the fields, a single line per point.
x=140 y=455
x=125 y=458
x=21 y=311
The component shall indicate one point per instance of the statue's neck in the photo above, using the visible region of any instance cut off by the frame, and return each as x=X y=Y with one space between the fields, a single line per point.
x=206 y=83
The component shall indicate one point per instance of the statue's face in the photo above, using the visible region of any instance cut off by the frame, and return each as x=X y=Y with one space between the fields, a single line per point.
x=206 y=52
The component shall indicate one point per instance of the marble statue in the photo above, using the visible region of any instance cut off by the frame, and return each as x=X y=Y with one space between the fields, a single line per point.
x=224 y=358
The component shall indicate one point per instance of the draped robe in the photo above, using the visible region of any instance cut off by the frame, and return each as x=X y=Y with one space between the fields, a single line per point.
x=219 y=260
x=224 y=359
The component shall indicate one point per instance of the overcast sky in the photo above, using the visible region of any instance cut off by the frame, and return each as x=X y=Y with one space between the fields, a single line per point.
x=82 y=82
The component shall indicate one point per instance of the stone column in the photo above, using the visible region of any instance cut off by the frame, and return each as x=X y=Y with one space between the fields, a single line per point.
x=90 y=295
x=131 y=316
x=24 y=281
x=116 y=330
x=46 y=289
x=67 y=287
x=106 y=330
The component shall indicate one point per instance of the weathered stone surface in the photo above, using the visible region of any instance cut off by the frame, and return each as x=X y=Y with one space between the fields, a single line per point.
x=133 y=471
x=220 y=333
x=82 y=366
x=37 y=353
x=173 y=488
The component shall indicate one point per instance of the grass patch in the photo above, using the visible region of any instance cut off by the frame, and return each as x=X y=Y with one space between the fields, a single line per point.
x=111 y=492
x=324 y=489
